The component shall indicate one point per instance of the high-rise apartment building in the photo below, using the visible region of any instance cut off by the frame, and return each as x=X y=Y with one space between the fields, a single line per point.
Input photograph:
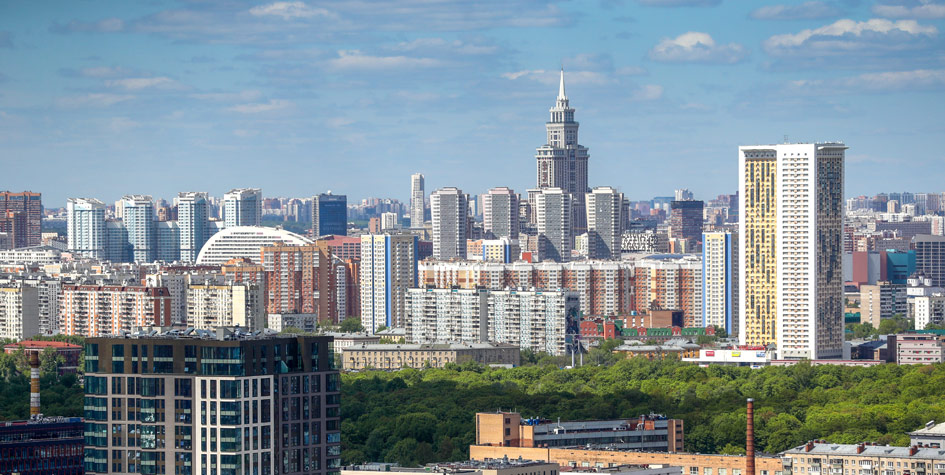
x=388 y=269
x=117 y=246
x=562 y=162
x=211 y=306
x=168 y=241
x=47 y=300
x=13 y=226
x=720 y=280
x=203 y=402
x=138 y=216
x=417 y=205
x=683 y=194
x=790 y=248
x=605 y=222
x=881 y=301
x=329 y=215
x=930 y=257
x=670 y=282
x=177 y=280
x=390 y=221
x=85 y=227
x=685 y=221
x=242 y=207
x=540 y=321
x=29 y=205
x=19 y=312
x=604 y=287
x=500 y=210
x=193 y=219
x=447 y=315
x=553 y=208
x=96 y=310
x=305 y=279
x=449 y=210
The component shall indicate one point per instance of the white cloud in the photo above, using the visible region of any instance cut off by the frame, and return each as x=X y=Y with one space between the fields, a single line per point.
x=551 y=77
x=260 y=107
x=806 y=11
x=245 y=133
x=442 y=45
x=338 y=122
x=696 y=47
x=647 y=92
x=924 y=9
x=631 y=71
x=93 y=100
x=290 y=10
x=847 y=35
x=122 y=124
x=882 y=82
x=107 y=25
x=103 y=72
x=133 y=84
x=249 y=95
x=354 y=60
x=679 y=3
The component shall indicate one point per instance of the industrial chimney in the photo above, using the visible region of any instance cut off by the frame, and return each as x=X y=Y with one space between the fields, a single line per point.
x=750 y=439
x=34 y=384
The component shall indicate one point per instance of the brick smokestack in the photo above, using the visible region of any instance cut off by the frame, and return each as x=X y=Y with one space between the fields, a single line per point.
x=34 y=384
x=750 y=439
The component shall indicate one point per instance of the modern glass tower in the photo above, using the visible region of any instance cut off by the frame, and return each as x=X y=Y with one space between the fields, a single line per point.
x=200 y=402
x=329 y=215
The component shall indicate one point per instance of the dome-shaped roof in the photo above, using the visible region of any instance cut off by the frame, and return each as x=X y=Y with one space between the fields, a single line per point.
x=244 y=242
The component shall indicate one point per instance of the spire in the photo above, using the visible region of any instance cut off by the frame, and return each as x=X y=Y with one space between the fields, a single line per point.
x=561 y=86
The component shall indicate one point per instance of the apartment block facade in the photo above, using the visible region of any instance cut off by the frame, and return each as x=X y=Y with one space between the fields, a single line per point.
x=670 y=282
x=29 y=205
x=791 y=247
x=720 y=280
x=603 y=287
x=211 y=306
x=388 y=268
x=204 y=403
x=97 y=310
x=19 y=312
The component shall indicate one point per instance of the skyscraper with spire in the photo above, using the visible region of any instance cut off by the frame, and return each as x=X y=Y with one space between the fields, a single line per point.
x=562 y=162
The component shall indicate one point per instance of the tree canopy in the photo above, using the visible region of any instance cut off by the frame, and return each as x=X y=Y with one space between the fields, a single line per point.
x=415 y=417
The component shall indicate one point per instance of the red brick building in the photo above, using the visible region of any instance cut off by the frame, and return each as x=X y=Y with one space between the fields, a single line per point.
x=68 y=351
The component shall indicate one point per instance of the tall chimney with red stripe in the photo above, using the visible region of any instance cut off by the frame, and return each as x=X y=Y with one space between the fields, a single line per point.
x=34 y=383
x=750 y=439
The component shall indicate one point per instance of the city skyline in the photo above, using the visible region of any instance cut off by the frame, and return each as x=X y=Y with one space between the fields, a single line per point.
x=229 y=87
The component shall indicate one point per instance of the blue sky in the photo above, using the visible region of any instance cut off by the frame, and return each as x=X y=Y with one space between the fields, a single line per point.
x=103 y=98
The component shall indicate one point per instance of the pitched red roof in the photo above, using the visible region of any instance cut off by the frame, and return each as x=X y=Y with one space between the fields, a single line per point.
x=43 y=344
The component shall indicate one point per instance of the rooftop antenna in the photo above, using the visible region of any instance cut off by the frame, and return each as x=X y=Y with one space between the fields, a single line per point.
x=786 y=139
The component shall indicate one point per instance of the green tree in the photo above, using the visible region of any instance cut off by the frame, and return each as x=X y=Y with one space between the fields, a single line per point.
x=404 y=453
x=603 y=354
x=49 y=362
x=352 y=325
x=896 y=324
x=732 y=449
